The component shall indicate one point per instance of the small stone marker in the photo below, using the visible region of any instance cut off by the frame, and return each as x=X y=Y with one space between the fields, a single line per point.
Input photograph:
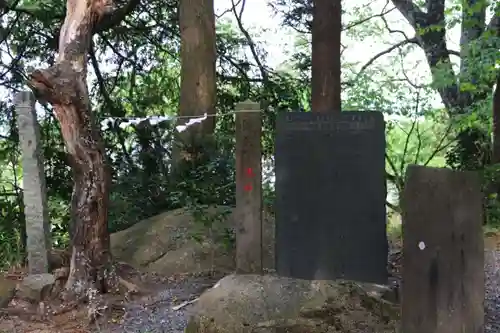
x=443 y=252
x=330 y=196
x=35 y=195
x=248 y=188
x=36 y=287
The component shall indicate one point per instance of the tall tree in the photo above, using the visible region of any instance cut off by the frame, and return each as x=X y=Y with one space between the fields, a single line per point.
x=64 y=86
x=198 y=56
x=326 y=45
x=429 y=24
x=496 y=123
x=496 y=96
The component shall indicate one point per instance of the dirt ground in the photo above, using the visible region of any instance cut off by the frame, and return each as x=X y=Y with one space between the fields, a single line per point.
x=155 y=296
x=23 y=317
x=132 y=312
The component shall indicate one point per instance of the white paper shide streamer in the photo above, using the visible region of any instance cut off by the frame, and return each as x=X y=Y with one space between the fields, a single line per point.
x=153 y=120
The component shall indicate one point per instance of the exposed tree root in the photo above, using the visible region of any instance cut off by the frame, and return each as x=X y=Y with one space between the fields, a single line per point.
x=131 y=287
x=92 y=298
x=23 y=314
x=67 y=307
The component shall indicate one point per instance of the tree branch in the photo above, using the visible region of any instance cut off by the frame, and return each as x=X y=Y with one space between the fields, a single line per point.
x=392 y=31
x=382 y=53
x=412 y=13
x=393 y=207
x=229 y=10
x=114 y=17
x=251 y=44
x=403 y=71
x=430 y=29
x=397 y=178
x=440 y=146
x=383 y=12
x=109 y=15
x=407 y=143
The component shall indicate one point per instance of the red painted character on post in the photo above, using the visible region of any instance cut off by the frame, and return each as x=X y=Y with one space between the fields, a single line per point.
x=248 y=187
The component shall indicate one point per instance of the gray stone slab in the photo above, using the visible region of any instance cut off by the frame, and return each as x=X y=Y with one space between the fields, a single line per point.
x=443 y=284
x=330 y=189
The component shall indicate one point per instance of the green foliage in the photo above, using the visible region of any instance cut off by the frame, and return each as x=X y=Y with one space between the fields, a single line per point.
x=11 y=233
x=422 y=141
x=472 y=150
x=205 y=186
x=214 y=220
x=490 y=181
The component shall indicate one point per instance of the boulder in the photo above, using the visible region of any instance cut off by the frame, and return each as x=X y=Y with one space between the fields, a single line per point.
x=175 y=242
x=272 y=304
x=36 y=287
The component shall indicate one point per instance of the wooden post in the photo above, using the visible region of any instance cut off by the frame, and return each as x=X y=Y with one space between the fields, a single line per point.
x=443 y=252
x=35 y=195
x=248 y=188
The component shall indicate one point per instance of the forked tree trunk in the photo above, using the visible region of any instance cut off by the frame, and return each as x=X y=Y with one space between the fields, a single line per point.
x=64 y=86
x=326 y=52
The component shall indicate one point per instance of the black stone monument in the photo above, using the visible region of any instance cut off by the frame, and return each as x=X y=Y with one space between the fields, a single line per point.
x=330 y=189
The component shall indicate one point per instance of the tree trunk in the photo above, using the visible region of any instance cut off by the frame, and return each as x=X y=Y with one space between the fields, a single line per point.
x=496 y=124
x=198 y=56
x=64 y=86
x=326 y=48
x=432 y=40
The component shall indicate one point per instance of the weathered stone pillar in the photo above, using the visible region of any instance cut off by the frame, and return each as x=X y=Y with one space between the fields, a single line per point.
x=35 y=195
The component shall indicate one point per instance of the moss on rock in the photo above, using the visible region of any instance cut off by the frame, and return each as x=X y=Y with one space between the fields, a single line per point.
x=272 y=304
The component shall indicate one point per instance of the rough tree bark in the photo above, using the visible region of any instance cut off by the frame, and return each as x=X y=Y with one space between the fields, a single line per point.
x=496 y=123
x=64 y=86
x=198 y=56
x=326 y=49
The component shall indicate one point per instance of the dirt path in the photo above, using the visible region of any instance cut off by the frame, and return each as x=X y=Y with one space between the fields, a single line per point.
x=166 y=311
x=156 y=310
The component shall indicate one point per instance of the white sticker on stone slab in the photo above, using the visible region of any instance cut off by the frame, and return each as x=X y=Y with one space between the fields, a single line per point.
x=421 y=246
